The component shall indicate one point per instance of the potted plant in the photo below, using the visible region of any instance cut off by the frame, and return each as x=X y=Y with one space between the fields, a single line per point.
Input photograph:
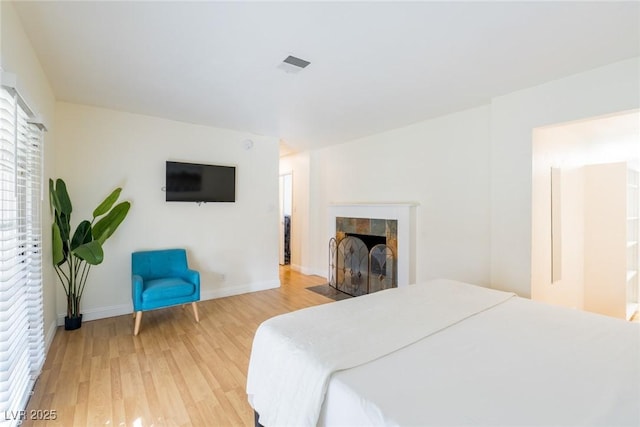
x=75 y=253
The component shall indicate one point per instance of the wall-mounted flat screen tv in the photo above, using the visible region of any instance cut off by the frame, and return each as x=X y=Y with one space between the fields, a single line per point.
x=193 y=182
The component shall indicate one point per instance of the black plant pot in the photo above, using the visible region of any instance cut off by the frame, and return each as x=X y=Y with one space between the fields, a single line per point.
x=72 y=323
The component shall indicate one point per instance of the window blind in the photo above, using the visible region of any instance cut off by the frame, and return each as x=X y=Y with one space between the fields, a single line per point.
x=21 y=306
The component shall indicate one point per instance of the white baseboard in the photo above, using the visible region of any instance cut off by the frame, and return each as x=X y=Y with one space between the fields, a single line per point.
x=101 y=313
x=119 y=310
x=237 y=290
x=309 y=271
x=48 y=337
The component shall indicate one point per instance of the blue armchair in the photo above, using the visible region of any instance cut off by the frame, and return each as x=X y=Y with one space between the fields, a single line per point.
x=161 y=279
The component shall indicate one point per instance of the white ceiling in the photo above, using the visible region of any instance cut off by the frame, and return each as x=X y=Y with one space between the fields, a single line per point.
x=374 y=65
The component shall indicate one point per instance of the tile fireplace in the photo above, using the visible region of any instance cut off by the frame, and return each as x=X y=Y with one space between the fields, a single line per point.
x=362 y=255
x=371 y=246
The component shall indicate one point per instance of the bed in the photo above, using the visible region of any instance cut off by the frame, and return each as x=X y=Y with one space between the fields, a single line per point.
x=445 y=353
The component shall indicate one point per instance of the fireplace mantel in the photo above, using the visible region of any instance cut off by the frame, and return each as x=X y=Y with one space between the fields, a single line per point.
x=403 y=212
x=375 y=204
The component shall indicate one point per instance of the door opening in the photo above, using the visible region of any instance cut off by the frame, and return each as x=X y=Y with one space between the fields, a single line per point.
x=286 y=208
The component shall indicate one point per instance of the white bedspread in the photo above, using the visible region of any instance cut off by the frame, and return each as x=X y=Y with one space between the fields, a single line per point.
x=522 y=363
x=293 y=356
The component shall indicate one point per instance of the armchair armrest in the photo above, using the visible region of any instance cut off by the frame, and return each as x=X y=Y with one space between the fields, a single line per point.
x=192 y=276
x=136 y=291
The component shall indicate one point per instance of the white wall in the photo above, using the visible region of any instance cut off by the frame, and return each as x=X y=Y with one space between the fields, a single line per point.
x=610 y=89
x=605 y=251
x=233 y=245
x=18 y=57
x=442 y=164
x=551 y=148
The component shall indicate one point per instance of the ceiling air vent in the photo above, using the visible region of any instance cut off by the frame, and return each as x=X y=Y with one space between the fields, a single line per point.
x=291 y=64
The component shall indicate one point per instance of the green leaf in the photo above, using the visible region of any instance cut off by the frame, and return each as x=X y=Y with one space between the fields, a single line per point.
x=82 y=234
x=108 y=224
x=62 y=221
x=58 y=252
x=53 y=204
x=90 y=252
x=107 y=203
x=63 y=197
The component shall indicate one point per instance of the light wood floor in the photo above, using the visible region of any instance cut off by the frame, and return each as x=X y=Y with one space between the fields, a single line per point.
x=175 y=373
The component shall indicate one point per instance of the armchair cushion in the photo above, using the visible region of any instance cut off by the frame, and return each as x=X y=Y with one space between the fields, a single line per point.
x=166 y=288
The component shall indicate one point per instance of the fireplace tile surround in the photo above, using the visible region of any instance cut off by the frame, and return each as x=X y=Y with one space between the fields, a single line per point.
x=387 y=228
x=395 y=221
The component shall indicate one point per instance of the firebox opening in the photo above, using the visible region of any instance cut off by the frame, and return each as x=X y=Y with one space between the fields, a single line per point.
x=369 y=240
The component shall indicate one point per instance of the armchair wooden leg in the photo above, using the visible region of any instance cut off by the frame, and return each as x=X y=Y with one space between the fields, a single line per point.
x=195 y=312
x=136 y=329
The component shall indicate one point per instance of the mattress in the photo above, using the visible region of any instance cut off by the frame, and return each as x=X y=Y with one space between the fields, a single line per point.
x=514 y=362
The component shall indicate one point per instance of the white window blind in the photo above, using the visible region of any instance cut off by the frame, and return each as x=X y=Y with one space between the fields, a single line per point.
x=21 y=310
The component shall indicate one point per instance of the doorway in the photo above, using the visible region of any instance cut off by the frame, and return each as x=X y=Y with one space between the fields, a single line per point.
x=571 y=164
x=286 y=210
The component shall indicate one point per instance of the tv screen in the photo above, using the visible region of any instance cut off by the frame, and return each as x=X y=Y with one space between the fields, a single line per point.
x=192 y=182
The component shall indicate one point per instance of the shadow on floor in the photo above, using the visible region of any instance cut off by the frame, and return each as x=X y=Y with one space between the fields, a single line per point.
x=329 y=292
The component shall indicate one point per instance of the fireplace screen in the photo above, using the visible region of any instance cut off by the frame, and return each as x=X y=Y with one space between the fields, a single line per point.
x=381 y=268
x=356 y=270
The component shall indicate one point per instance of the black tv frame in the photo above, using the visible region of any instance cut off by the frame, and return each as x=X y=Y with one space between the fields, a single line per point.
x=199 y=182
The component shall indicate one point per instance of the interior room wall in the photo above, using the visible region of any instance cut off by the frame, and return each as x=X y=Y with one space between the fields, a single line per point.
x=609 y=89
x=554 y=148
x=233 y=245
x=441 y=164
x=18 y=57
x=605 y=284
